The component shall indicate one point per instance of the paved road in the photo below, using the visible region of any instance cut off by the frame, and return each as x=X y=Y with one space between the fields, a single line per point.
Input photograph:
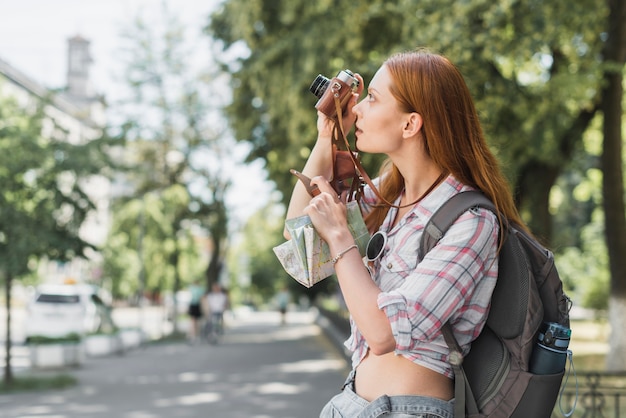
x=259 y=369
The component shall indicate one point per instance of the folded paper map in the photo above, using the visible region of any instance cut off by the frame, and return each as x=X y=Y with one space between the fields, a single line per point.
x=306 y=257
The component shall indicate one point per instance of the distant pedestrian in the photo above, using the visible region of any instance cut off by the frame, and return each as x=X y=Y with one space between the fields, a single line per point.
x=195 y=309
x=218 y=303
x=282 y=300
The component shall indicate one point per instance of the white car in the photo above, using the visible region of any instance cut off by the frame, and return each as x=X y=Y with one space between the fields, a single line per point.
x=57 y=311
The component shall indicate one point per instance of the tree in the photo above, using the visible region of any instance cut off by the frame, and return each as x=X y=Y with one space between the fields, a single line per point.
x=43 y=202
x=613 y=177
x=176 y=143
x=262 y=232
x=534 y=69
x=142 y=243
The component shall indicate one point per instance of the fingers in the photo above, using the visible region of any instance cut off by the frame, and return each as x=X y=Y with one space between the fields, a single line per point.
x=319 y=206
x=326 y=211
x=323 y=205
x=361 y=85
x=324 y=125
x=324 y=187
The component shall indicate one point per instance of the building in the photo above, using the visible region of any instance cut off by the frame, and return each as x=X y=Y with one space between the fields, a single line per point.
x=80 y=112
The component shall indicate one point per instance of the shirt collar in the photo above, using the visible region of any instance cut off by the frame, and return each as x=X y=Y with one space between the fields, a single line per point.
x=429 y=205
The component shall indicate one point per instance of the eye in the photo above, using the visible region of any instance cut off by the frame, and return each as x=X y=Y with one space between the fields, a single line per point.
x=370 y=96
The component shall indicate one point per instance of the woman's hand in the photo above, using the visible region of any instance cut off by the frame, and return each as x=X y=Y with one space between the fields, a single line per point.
x=329 y=216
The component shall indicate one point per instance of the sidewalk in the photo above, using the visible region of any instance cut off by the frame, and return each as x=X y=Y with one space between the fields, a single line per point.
x=259 y=369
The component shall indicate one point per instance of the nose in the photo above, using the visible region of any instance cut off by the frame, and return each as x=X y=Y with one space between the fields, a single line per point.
x=356 y=107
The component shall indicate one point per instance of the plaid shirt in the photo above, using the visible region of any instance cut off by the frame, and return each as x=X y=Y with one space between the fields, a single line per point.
x=453 y=282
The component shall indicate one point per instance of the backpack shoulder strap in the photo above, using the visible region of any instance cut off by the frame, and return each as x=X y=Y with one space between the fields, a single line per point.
x=463 y=394
x=435 y=229
x=448 y=213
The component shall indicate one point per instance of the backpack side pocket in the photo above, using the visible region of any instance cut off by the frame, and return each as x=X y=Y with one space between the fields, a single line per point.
x=540 y=396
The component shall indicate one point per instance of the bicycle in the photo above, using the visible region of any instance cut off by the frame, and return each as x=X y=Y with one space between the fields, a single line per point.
x=213 y=327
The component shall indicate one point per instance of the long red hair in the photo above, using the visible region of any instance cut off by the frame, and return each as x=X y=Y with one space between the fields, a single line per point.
x=429 y=84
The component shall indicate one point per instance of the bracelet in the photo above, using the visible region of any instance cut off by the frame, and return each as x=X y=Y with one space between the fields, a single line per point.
x=341 y=253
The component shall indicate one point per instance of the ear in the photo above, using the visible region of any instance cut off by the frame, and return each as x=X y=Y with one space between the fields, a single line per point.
x=412 y=124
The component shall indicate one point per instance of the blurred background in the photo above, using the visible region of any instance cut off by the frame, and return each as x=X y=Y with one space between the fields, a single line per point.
x=147 y=144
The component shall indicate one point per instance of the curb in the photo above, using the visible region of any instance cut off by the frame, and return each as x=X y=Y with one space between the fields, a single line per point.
x=334 y=334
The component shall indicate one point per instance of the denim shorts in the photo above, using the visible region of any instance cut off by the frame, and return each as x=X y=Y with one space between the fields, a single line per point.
x=348 y=404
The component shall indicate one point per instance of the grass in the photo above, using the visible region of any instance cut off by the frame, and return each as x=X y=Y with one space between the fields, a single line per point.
x=37 y=383
x=42 y=339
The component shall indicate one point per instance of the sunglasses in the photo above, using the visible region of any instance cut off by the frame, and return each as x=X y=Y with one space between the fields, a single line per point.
x=376 y=246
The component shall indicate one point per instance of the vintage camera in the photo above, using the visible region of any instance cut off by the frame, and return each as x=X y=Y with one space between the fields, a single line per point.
x=550 y=351
x=326 y=90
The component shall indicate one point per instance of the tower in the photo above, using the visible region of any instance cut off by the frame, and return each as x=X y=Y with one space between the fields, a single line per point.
x=79 y=62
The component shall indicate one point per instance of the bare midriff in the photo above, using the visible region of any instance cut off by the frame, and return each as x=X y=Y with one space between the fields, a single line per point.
x=395 y=375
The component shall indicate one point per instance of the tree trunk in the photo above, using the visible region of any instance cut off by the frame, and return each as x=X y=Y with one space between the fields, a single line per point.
x=533 y=199
x=218 y=228
x=215 y=265
x=613 y=180
x=8 y=371
x=175 y=260
x=532 y=194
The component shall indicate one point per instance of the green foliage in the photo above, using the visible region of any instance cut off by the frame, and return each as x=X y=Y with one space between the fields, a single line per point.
x=31 y=383
x=254 y=259
x=72 y=338
x=44 y=200
x=584 y=269
x=575 y=203
x=142 y=236
x=175 y=155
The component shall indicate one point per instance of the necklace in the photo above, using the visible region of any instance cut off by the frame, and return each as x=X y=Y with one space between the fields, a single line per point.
x=439 y=179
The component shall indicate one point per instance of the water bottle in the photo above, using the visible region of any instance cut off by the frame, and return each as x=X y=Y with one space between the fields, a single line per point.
x=550 y=352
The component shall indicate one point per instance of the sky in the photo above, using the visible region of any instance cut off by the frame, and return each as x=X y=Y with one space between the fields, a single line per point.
x=34 y=33
x=33 y=39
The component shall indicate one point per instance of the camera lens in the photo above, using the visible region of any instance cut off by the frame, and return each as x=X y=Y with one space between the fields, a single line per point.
x=319 y=85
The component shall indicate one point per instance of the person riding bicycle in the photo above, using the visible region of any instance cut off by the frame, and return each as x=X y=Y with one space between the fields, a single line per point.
x=217 y=302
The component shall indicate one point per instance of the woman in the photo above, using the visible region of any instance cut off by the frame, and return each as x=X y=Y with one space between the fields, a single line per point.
x=196 y=291
x=419 y=112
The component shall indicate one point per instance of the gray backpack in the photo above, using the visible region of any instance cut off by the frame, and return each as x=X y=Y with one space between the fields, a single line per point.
x=494 y=380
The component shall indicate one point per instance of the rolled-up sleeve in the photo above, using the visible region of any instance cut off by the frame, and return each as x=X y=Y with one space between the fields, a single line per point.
x=395 y=307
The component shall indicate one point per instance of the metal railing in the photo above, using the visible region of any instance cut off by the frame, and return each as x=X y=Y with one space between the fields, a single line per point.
x=600 y=395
